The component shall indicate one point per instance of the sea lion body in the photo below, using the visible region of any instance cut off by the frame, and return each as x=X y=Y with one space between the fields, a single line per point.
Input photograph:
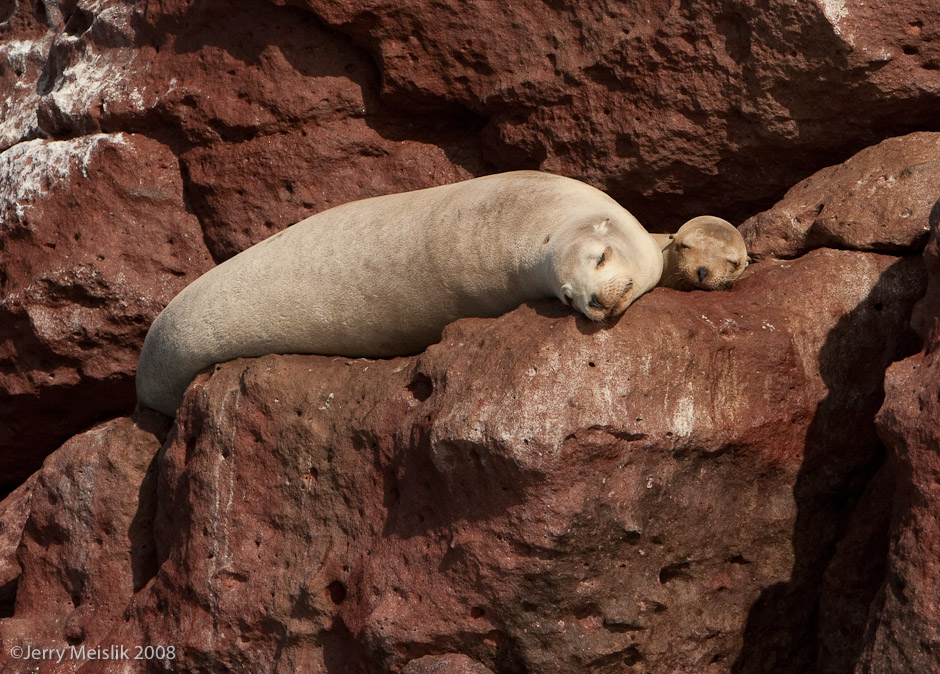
x=382 y=277
x=707 y=253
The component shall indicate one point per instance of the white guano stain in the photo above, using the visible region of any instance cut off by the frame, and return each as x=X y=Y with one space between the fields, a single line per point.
x=18 y=52
x=683 y=417
x=89 y=81
x=86 y=83
x=836 y=12
x=29 y=170
x=94 y=80
x=18 y=118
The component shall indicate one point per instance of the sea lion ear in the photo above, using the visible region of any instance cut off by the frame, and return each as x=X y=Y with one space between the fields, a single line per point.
x=601 y=228
x=566 y=294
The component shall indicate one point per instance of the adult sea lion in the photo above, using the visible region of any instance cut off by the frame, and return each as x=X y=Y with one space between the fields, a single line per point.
x=707 y=253
x=383 y=276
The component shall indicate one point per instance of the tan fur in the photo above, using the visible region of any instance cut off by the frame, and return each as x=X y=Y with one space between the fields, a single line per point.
x=707 y=253
x=383 y=276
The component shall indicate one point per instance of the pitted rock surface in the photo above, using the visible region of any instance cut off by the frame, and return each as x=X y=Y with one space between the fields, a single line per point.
x=720 y=482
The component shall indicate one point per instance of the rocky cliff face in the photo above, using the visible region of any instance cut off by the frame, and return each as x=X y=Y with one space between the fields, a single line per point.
x=740 y=481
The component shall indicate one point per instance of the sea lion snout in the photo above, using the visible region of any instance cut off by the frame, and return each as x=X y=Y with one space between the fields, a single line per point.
x=617 y=296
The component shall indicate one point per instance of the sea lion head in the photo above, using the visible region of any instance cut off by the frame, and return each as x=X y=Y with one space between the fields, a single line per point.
x=604 y=266
x=707 y=253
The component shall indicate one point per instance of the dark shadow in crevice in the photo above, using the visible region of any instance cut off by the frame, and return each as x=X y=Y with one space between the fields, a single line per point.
x=143 y=547
x=342 y=652
x=842 y=452
x=8 y=598
x=44 y=422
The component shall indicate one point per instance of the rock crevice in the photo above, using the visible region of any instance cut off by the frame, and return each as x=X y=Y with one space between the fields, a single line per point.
x=737 y=481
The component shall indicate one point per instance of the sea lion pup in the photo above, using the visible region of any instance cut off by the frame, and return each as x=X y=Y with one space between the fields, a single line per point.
x=382 y=277
x=707 y=253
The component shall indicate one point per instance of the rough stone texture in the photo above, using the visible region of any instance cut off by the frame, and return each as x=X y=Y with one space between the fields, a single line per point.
x=323 y=139
x=883 y=199
x=25 y=40
x=926 y=317
x=675 y=108
x=273 y=115
x=95 y=240
x=693 y=467
x=87 y=542
x=854 y=577
x=445 y=664
x=13 y=513
x=880 y=591
x=904 y=629
x=698 y=488
x=669 y=106
x=273 y=110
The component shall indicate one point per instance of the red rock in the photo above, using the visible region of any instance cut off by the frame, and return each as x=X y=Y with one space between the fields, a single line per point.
x=96 y=240
x=87 y=540
x=25 y=40
x=855 y=576
x=926 y=317
x=674 y=109
x=657 y=493
x=882 y=199
x=274 y=115
x=13 y=513
x=247 y=191
x=878 y=612
x=904 y=625
x=472 y=507
x=903 y=630
x=445 y=664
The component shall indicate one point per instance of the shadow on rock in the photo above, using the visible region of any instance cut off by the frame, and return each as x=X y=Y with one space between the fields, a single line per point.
x=841 y=454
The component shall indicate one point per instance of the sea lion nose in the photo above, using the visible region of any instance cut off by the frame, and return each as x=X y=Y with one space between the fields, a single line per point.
x=624 y=297
x=702 y=273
